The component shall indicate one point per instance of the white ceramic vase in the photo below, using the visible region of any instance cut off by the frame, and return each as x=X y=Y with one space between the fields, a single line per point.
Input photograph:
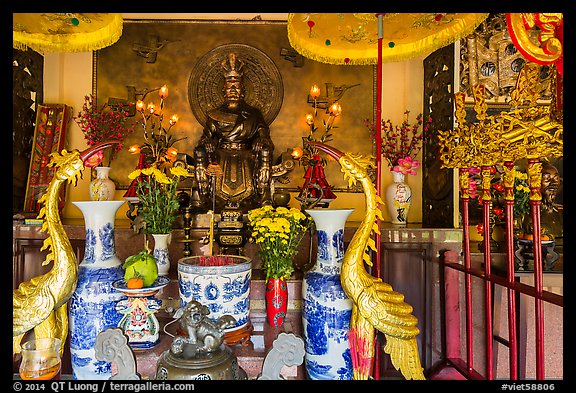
x=326 y=309
x=102 y=188
x=398 y=199
x=93 y=304
x=161 y=243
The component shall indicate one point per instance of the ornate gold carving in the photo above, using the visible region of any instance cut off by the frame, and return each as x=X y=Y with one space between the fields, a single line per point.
x=547 y=48
x=535 y=179
x=375 y=305
x=489 y=57
x=40 y=304
x=486 y=177
x=464 y=179
x=231 y=240
x=527 y=131
x=508 y=179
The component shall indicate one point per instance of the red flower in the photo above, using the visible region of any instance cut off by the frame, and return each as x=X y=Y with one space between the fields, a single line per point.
x=103 y=124
x=400 y=142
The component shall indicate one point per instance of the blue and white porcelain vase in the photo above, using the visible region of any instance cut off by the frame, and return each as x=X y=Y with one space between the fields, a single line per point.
x=326 y=309
x=161 y=242
x=93 y=304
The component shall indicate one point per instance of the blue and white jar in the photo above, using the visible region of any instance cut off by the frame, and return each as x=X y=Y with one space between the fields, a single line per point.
x=326 y=309
x=93 y=304
x=161 y=252
x=219 y=282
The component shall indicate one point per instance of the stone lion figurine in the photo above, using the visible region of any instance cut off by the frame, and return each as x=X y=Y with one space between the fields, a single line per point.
x=203 y=334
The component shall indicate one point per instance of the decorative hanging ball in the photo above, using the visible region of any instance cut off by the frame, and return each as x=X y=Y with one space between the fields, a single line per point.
x=347 y=60
x=391 y=44
x=311 y=25
x=438 y=17
x=328 y=43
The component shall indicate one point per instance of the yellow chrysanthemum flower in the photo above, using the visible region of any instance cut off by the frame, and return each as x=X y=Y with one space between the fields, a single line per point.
x=179 y=171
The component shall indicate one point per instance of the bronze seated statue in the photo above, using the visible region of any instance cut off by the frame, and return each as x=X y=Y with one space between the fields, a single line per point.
x=234 y=155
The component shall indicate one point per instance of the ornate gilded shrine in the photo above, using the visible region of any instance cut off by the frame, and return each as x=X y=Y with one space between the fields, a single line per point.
x=528 y=131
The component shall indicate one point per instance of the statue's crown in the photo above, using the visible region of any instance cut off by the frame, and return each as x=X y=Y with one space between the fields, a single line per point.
x=233 y=67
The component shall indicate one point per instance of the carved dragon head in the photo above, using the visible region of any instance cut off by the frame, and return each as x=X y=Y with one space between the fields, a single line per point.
x=71 y=164
x=354 y=166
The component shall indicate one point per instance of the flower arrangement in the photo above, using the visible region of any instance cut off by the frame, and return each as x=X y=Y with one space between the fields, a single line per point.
x=278 y=232
x=401 y=144
x=157 y=193
x=104 y=124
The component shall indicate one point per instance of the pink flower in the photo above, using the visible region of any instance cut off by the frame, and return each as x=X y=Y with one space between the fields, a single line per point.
x=94 y=160
x=399 y=141
x=407 y=166
x=474 y=170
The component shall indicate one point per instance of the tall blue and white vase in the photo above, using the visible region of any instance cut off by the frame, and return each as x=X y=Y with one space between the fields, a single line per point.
x=93 y=304
x=326 y=308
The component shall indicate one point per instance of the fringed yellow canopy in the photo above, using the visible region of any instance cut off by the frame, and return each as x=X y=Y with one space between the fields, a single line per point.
x=65 y=32
x=352 y=38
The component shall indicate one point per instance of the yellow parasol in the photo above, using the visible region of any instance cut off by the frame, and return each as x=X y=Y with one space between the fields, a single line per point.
x=351 y=38
x=65 y=32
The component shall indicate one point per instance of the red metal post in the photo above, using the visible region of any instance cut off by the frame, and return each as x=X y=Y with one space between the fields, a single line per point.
x=509 y=200
x=378 y=166
x=534 y=183
x=452 y=302
x=465 y=198
x=487 y=205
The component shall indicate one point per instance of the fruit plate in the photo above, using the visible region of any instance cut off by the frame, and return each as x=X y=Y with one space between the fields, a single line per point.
x=159 y=283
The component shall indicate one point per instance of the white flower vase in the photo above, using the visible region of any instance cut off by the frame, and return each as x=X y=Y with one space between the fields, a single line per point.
x=161 y=243
x=102 y=188
x=398 y=199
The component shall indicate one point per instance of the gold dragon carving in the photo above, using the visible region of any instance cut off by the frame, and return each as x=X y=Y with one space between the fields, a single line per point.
x=40 y=304
x=376 y=306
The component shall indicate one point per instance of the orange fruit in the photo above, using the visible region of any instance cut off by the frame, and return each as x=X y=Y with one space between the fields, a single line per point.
x=528 y=236
x=545 y=237
x=135 y=283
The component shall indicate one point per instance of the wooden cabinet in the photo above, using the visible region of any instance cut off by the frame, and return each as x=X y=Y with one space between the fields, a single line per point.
x=407 y=267
x=27 y=258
